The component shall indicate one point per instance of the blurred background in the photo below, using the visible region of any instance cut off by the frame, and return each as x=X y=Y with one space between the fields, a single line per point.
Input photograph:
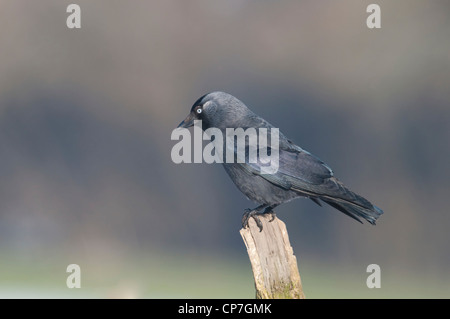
x=86 y=116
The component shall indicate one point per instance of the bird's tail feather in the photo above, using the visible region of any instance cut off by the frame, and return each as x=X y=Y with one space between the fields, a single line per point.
x=356 y=211
x=344 y=200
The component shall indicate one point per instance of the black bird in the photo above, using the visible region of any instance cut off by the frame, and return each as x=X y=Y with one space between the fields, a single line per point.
x=300 y=173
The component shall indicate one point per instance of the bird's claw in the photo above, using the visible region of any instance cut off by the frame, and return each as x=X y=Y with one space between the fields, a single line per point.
x=272 y=215
x=253 y=213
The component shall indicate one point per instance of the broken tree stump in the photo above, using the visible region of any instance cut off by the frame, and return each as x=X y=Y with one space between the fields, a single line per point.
x=273 y=262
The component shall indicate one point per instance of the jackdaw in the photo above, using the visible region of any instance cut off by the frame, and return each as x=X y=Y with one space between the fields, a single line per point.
x=299 y=174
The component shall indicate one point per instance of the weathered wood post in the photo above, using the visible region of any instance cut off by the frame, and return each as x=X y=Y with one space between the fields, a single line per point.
x=273 y=262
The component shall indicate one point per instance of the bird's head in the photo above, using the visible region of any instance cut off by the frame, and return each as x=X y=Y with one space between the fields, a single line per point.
x=216 y=109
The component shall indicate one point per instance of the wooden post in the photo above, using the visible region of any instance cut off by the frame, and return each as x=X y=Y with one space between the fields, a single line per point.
x=273 y=262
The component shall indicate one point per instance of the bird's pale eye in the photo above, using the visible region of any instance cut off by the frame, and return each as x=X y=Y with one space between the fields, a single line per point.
x=199 y=111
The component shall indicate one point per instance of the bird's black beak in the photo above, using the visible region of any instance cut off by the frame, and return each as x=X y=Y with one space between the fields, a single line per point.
x=188 y=121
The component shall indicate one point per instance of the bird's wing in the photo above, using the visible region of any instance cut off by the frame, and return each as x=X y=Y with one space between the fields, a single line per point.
x=295 y=164
x=296 y=168
x=300 y=171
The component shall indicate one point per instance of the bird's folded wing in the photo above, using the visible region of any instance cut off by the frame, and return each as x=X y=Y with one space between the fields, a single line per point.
x=296 y=168
x=302 y=172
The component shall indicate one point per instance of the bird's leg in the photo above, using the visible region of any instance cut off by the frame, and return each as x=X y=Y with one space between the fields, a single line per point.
x=253 y=213
x=269 y=210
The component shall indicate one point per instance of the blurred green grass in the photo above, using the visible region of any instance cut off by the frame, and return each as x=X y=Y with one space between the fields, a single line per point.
x=188 y=275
